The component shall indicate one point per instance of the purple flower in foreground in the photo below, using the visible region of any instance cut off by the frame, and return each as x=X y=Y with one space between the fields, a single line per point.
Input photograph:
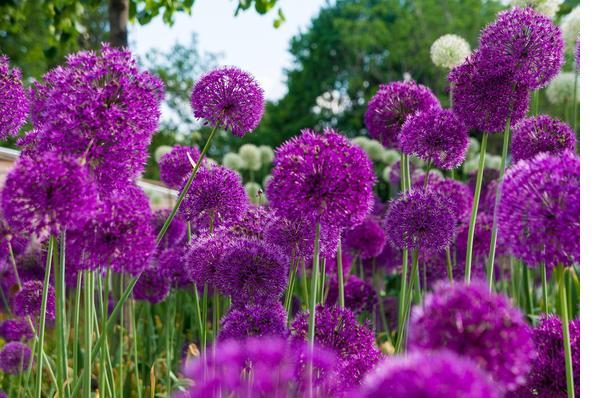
x=391 y=105
x=322 y=178
x=365 y=240
x=15 y=358
x=152 y=286
x=359 y=295
x=540 y=134
x=435 y=135
x=251 y=320
x=176 y=165
x=14 y=103
x=476 y=324
x=28 y=300
x=229 y=98
x=47 y=194
x=457 y=195
x=428 y=375
x=15 y=330
x=538 y=214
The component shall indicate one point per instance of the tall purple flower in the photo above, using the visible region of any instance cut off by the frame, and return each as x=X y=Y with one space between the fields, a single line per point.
x=541 y=134
x=171 y=265
x=477 y=324
x=366 y=239
x=15 y=330
x=15 y=358
x=14 y=103
x=359 y=295
x=251 y=320
x=230 y=98
x=524 y=45
x=435 y=135
x=322 y=178
x=28 y=300
x=204 y=253
x=176 y=233
x=428 y=375
x=393 y=103
x=47 y=194
x=152 y=286
x=538 y=214
x=176 y=165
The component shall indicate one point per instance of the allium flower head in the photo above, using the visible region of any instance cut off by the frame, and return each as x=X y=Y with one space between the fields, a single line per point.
x=449 y=51
x=428 y=375
x=420 y=219
x=15 y=330
x=253 y=224
x=266 y=154
x=524 y=45
x=28 y=300
x=476 y=324
x=436 y=135
x=217 y=191
x=152 y=286
x=250 y=154
x=47 y=194
x=251 y=320
x=176 y=233
x=322 y=178
x=204 y=252
x=458 y=197
x=171 y=265
x=229 y=98
x=254 y=192
x=14 y=103
x=374 y=150
x=561 y=89
x=15 y=358
x=359 y=295
x=570 y=26
x=545 y=7
x=538 y=214
x=539 y=134
x=388 y=109
x=366 y=239
x=233 y=161
x=176 y=165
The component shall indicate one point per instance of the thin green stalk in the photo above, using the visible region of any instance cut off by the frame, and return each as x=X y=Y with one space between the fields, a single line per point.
x=103 y=291
x=205 y=316
x=61 y=316
x=323 y=281
x=11 y=256
x=535 y=102
x=40 y=347
x=304 y=283
x=527 y=289
x=121 y=338
x=566 y=336
x=340 y=274
x=138 y=382
x=76 y=326
x=471 y=234
x=88 y=290
x=544 y=288
x=290 y=290
x=414 y=272
x=169 y=358
x=313 y=302
x=449 y=265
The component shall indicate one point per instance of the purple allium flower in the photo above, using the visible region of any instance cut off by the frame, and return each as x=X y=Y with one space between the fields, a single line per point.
x=18 y=242
x=366 y=239
x=252 y=320
x=486 y=102
x=101 y=107
x=171 y=265
x=175 y=166
x=524 y=45
x=354 y=344
x=177 y=229
x=229 y=98
x=577 y=54
x=7 y=282
x=420 y=219
x=435 y=135
x=204 y=252
x=47 y=194
x=541 y=134
x=547 y=378
x=393 y=103
x=15 y=330
x=428 y=375
x=390 y=257
x=477 y=324
x=152 y=286
x=538 y=213
x=28 y=300
x=14 y=358
x=31 y=266
x=3 y=394
x=322 y=178
x=215 y=190
x=14 y=104
x=458 y=196
x=251 y=272
x=253 y=223
x=359 y=295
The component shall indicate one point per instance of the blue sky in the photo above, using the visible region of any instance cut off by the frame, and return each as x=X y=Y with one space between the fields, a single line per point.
x=248 y=41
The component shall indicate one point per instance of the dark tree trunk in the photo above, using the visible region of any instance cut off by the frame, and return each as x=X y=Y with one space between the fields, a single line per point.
x=118 y=14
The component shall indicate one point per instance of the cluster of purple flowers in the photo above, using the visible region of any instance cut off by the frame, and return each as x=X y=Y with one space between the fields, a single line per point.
x=14 y=102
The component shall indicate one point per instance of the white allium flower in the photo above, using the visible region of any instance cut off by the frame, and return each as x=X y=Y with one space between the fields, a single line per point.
x=266 y=154
x=390 y=156
x=386 y=174
x=493 y=162
x=570 y=28
x=267 y=180
x=471 y=166
x=361 y=141
x=473 y=149
x=253 y=190
x=561 y=89
x=160 y=151
x=546 y=7
x=251 y=156
x=233 y=161
x=449 y=51
x=374 y=150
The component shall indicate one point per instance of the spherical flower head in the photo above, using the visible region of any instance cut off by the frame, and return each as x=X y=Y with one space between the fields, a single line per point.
x=171 y=265
x=322 y=178
x=15 y=358
x=250 y=154
x=538 y=213
x=539 y=134
x=48 y=194
x=233 y=161
x=229 y=98
x=476 y=324
x=561 y=89
x=545 y=7
x=331 y=267
x=253 y=224
x=176 y=165
x=254 y=192
x=435 y=135
x=176 y=233
x=28 y=300
x=359 y=295
x=374 y=150
x=458 y=197
x=388 y=109
x=152 y=286
x=266 y=154
x=390 y=156
x=204 y=252
x=215 y=191
x=449 y=51
x=338 y=330
x=251 y=272
x=99 y=106
x=366 y=239
x=14 y=104
x=251 y=320
x=428 y=375
x=15 y=330
x=524 y=45
x=570 y=26
x=420 y=219
x=485 y=102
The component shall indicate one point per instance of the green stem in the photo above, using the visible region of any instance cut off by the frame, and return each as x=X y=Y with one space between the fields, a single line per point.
x=59 y=287
x=76 y=326
x=40 y=347
x=527 y=289
x=290 y=290
x=88 y=291
x=304 y=283
x=449 y=265
x=575 y=113
x=566 y=337
x=414 y=275
x=544 y=288
x=313 y=302
x=340 y=274
x=471 y=234
x=402 y=299
x=138 y=382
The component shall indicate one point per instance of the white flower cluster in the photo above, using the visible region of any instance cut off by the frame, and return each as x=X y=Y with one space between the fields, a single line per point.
x=570 y=28
x=546 y=7
x=449 y=51
x=561 y=89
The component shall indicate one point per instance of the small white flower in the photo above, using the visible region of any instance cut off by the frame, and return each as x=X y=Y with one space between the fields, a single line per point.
x=386 y=174
x=361 y=141
x=251 y=156
x=546 y=7
x=570 y=28
x=266 y=154
x=374 y=150
x=561 y=89
x=449 y=51
x=253 y=190
x=390 y=156
x=233 y=161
